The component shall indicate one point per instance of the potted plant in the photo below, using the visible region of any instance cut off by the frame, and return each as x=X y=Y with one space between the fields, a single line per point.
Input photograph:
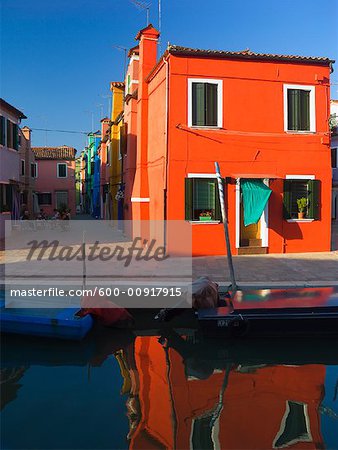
x=205 y=216
x=6 y=210
x=302 y=206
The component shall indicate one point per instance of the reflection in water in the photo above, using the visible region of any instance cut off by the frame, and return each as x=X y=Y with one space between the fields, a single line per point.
x=172 y=392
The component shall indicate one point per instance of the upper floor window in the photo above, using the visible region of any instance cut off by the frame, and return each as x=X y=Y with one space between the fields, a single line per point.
x=34 y=170
x=299 y=108
x=62 y=170
x=334 y=158
x=204 y=103
x=9 y=133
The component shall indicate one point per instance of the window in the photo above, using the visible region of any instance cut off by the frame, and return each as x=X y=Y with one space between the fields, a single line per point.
x=34 y=170
x=23 y=167
x=6 y=197
x=294 y=426
x=3 y=126
x=299 y=108
x=298 y=188
x=62 y=170
x=44 y=198
x=334 y=158
x=202 y=200
x=61 y=199
x=204 y=103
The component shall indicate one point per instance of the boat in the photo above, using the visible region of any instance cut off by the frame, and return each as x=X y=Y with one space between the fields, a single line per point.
x=61 y=323
x=274 y=312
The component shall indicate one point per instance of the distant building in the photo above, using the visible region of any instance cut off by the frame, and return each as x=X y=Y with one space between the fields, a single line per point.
x=334 y=157
x=10 y=118
x=117 y=151
x=78 y=191
x=55 y=178
x=28 y=198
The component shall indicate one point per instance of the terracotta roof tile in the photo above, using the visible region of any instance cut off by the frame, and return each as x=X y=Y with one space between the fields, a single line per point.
x=118 y=84
x=247 y=54
x=64 y=152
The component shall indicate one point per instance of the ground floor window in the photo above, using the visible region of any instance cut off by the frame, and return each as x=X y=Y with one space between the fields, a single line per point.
x=6 y=197
x=61 y=199
x=202 y=199
x=45 y=198
x=301 y=194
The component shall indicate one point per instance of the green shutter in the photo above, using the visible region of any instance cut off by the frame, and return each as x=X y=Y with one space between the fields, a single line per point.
x=2 y=130
x=314 y=199
x=298 y=110
x=198 y=104
x=218 y=213
x=15 y=136
x=287 y=198
x=188 y=198
x=211 y=104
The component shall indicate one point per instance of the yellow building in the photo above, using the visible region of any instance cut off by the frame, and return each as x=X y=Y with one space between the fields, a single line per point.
x=116 y=150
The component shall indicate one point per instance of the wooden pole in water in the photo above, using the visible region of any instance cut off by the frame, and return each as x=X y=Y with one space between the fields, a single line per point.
x=234 y=286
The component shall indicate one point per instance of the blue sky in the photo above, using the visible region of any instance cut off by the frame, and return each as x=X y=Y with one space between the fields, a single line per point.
x=58 y=56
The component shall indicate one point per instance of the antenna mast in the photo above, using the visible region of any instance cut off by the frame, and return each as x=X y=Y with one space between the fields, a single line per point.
x=143 y=6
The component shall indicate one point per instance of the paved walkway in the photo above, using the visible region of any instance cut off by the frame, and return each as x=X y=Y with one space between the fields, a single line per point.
x=298 y=269
x=275 y=270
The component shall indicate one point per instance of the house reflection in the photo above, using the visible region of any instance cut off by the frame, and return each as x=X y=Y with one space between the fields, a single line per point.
x=178 y=402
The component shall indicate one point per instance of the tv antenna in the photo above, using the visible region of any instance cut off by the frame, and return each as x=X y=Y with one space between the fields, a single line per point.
x=142 y=6
x=125 y=50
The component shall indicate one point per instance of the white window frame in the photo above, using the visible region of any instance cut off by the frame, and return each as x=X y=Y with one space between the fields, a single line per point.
x=219 y=84
x=203 y=175
x=56 y=195
x=57 y=169
x=312 y=105
x=36 y=169
x=300 y=177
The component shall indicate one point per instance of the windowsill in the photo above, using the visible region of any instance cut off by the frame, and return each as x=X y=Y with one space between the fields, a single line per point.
x=12 y=149
x=300 y=132
x=300 y=220
x=201 y=127
x=205 y=222
x=6 y=213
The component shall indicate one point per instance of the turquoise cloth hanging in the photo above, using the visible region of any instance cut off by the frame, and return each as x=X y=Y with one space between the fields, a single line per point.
x=255 y=197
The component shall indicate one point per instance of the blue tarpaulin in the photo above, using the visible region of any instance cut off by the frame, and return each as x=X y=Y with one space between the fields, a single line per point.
x=255 y=197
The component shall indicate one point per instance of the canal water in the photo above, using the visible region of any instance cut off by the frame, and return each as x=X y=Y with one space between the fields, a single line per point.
x=116 y=390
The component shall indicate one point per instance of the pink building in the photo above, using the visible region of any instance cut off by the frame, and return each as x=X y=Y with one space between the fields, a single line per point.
x=10 y=118
x=54 y=172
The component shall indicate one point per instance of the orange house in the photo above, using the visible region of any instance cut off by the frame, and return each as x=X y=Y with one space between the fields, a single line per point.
x=263 y=117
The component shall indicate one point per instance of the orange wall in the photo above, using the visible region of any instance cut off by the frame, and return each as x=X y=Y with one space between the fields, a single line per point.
x=254 y=402
x=252 y=141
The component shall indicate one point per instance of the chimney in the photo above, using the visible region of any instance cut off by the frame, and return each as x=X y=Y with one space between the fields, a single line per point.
x=148 y=38
x=26 y=131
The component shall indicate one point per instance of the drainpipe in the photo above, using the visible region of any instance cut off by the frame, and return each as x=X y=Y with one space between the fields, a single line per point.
x=166 y=62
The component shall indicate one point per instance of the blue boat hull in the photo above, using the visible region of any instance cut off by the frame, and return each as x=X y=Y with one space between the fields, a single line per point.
x=54 y=323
